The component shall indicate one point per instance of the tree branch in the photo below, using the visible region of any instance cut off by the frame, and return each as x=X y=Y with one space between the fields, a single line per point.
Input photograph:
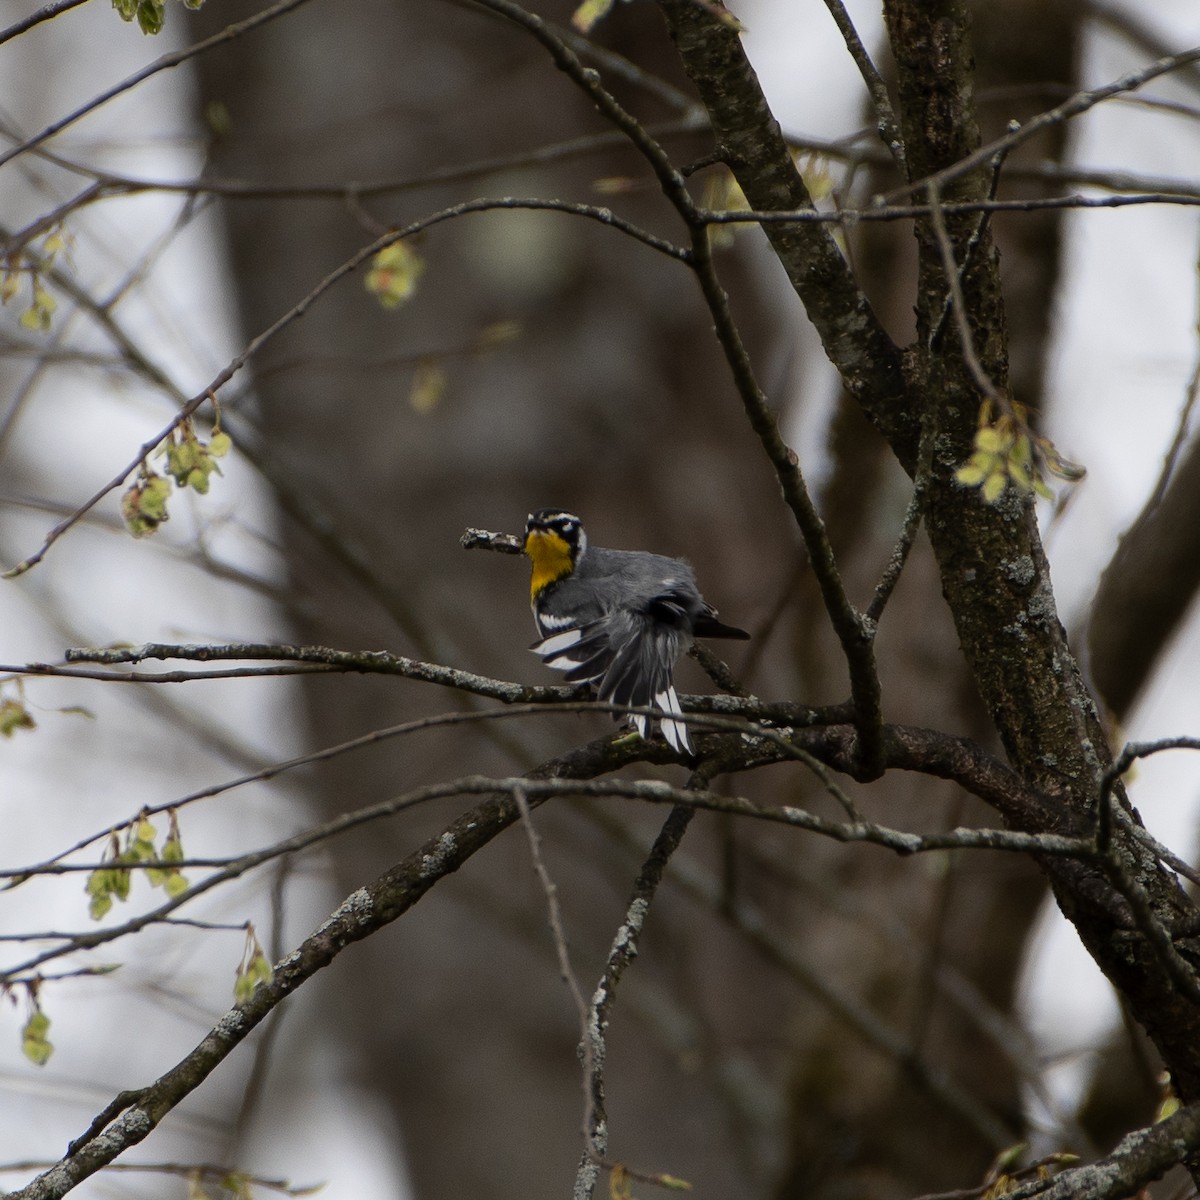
x=164 y=63
x=1139 y=1158
x=134 y=1115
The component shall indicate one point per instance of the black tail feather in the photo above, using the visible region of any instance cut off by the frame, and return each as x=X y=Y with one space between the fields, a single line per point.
x=708 y=626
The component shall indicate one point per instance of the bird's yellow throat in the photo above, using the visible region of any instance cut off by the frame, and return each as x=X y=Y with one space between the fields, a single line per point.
x=551 y=558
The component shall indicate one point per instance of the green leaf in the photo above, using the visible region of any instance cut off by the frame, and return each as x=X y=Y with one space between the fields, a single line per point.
x=182 y=458
x=428 y=386
x=1018 y=475
x=13 y=716
x=144 y=505
x=589 y=12
x=992 y=440
x=120 y=884
x=150 y=16
x=672 y=1183
x=197 y=480
x=34 y=1044
x=153 y=502
x=260 y=970
x=35 y=318
x=243 y=989
x=394 y=273
x=993 y=486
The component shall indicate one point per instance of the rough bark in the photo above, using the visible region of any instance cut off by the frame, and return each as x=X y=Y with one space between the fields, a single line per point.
x=993 y=569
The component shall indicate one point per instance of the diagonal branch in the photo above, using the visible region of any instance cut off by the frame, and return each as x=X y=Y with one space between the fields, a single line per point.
x=603 y=216
x=132 y=1116
x=173 y=59
x=595 y=1029
x=751 y=143
x=1139 y=1158
x=885 y=115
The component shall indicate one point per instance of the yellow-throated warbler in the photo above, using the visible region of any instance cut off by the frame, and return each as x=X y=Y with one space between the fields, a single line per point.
x=617 y=619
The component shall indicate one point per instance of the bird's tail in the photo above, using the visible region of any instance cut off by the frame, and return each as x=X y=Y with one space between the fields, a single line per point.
x=638 y=673
x=708 y=625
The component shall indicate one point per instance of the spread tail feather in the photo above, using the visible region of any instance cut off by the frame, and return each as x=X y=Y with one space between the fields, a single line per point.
x=638 y=674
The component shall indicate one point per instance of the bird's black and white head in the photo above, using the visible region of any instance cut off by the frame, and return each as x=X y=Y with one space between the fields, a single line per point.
x=554 y=543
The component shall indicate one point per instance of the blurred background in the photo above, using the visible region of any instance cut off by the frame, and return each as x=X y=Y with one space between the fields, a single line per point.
x=798 y=1007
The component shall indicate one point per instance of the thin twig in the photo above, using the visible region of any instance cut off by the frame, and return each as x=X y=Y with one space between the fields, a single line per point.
x=852 y=630
x=1138 y=1159
x=595 y=1027
x=562 y=954
x=106 y=184
x=1078 y=104
x=912 y=519
x=228 y=34
x=192 y=1171
x=649 y=791
x=905 y=212
x=603 y=216
x=46 y=13
x=885 y=116
x=958 y=304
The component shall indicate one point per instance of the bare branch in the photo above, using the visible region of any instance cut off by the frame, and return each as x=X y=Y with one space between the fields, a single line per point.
x=604 y=216
x=1139 y=1158
x=1078 y=104
x=228 y=34
x=854 y=633
x=208 y=1172
x=587 y=1045
x=931 y=755
x=46 y=13
x=885 y=115
x=596 y=1019
x=958 y=306
x=481 y=539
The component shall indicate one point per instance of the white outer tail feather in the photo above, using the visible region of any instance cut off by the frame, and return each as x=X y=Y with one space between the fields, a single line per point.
x=676 y=732
x=553 y=652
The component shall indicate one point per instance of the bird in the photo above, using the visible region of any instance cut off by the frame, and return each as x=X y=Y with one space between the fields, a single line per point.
x=616 y=619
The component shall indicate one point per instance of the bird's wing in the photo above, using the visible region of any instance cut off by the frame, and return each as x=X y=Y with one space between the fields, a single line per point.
x=582 y=651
